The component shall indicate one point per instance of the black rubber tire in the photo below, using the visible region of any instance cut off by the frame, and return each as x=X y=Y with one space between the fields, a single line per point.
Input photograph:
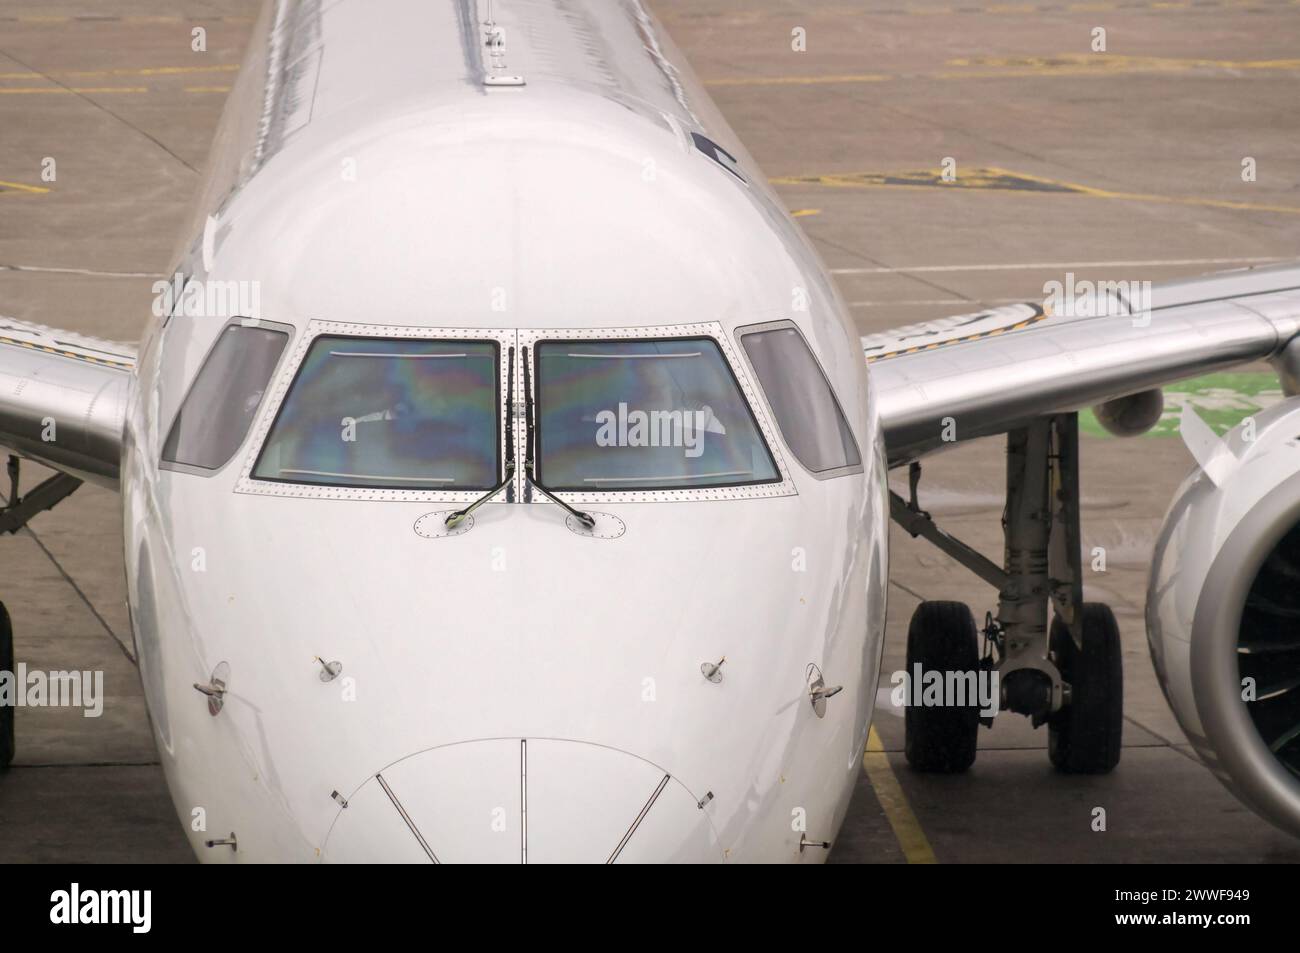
x=941 y=740
x=6 y=711
x=1085 y=736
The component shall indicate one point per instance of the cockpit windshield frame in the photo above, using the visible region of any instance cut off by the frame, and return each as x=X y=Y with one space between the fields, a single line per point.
x=519 y=339
x=502 y=339
x=782 y=485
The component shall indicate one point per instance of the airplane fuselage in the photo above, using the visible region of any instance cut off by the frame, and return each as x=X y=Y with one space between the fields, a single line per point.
x=389 y=687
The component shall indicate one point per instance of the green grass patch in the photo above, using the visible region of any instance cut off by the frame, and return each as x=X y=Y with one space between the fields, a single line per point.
x=1222 y=400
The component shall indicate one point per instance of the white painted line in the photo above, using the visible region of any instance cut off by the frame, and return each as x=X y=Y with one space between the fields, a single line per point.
x=81 y=271
x=963 y=302
x=1056 y=265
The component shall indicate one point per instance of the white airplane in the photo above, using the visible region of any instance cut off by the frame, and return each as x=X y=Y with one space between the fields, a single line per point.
x=525 y=498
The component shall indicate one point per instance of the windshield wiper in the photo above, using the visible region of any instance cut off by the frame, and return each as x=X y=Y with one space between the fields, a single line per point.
x=454 y=519
x=530 y=463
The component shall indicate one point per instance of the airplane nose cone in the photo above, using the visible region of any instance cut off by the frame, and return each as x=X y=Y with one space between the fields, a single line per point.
x=512 y=800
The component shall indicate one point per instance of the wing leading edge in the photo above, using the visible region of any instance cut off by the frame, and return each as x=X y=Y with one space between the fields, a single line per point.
x=63 y=399
x=992 y=372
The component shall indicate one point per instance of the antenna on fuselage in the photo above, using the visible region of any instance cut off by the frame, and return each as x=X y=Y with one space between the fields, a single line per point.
x=495 y=41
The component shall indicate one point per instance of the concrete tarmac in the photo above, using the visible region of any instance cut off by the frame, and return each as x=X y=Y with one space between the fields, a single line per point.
x=1125 y=164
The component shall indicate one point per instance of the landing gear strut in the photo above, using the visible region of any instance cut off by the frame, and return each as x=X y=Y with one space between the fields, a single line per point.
x=18 y=511
x=1072 y=681
x=15 y=512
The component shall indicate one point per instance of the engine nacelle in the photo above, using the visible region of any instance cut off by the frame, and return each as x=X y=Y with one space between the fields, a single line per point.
x=1223 y=611
x=1133 y=415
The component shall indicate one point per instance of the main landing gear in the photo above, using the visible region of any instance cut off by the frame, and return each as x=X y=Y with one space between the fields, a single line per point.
x=942 y=638
x=1084 y=737
x=6 y=710
x=1071 y=678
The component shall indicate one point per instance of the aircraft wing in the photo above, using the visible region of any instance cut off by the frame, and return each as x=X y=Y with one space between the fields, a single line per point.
x=63 y=399
x=988 y=373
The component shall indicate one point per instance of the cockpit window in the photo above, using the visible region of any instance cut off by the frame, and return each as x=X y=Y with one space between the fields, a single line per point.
x=409 y=414
x=219 y=408
x=802 y=400
x=644 y=415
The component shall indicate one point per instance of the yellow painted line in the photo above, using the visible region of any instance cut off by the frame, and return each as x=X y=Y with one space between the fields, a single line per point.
x=152 y=20
x=207 y=89
x=991 y=332
x=989 y=67
x=805 y=212
x=75 y=355
x=147 y=71
x=907 y=829
x=1114 y=61
x=1088 y=190
x=1016 y=9
x=34 y=90
x=798 y=80
x=1091 y=7
x=174 y=70
x=19 y=187
x=1097 y=64
x=1191 y=200
x=978 y=180
x=983 y=178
